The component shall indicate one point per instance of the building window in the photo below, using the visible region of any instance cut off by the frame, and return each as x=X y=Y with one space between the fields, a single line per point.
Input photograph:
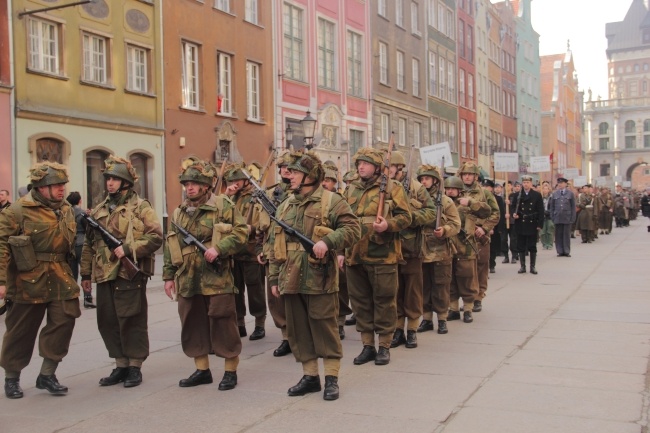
x=451 y=81
x=603 y=128
x=384 y=132
x=222 y=5
x=326 y=54
x=383 y=63
x=435 y=139
x=49 y=149
x=400 y=71
x=630 y=134
x=461 y=38
x=190 y=76
x=471 y=140
x=95 y=59
x=401 y=131
x=137 y=65
x=630 y=142
x=415 y=72
x=253 y=91
x=442 y=66
x=603 y=143
x=381 y=8
x=293 y=42
x=432 y=13
x=251 y=14
x=463 y=139
x=43 y=45
x=452 y=137
x=95 y=183
x=604 y=169
x=470 y=44
x=415 y=18
x=356 y=141
x=470 y=91
x=417 y=134
x=142 y=165
x=224 y=68
x=433 y=75
x=461 y=88
x=399 y=13
x=355 y=72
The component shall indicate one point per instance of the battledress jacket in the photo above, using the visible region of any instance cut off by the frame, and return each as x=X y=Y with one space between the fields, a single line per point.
x=440 y=249
x=291 y=268
x=52 y=235
x=218 y=224
x=377 y=248
x=422 y=212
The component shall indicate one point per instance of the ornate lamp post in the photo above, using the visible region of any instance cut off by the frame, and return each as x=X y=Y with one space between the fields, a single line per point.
x=288 y=136
x=309 y=128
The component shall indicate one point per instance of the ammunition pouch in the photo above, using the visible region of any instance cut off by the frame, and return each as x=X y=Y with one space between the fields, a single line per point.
x=174 y=246
x=23 y=253
x=218 y=232
x=280 y=245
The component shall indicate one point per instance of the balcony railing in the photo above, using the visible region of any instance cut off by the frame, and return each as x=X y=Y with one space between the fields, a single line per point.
x=617 y=103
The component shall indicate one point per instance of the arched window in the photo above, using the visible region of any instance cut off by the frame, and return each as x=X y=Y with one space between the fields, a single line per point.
x=142 y=165
x=646 y=133
x=630 y=134
x=603 y=128
x=49 y=149
x=95 y=185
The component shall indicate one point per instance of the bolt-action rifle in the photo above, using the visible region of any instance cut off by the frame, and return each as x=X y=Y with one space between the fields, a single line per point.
x=385 y=176
x=189 y=239
x=439 y=195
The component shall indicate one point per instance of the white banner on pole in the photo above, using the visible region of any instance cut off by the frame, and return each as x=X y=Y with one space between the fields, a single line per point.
x=539 y=164
x=627 y=184
x=600 y=180
x=433 y=154
x=571 y=173
x=618 y=178
x=580 y=181
x=508 y=162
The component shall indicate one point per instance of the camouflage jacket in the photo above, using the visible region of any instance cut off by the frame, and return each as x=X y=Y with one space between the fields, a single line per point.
x=52 y=236
x=321 y=215
x=377 y=248
x=422 y=212
x=216 y=223
x=277 y=193
x=439 y=249
x=243 y=201
x=135 y=223
x=488 y=224
x=476 y=210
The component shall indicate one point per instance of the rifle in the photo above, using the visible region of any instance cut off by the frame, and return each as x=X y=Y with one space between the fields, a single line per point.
x=260 y=196
x=112 y=242
x=407 y=176
x=439 y=196
x=217 y=188
x=507 y=206
x=467 y=241
x=385 y=176
x=521 y=189
x=265 y=170
x=189 y=239
x=339 y=183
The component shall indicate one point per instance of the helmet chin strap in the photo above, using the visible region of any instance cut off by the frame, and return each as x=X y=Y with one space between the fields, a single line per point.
x=303 y=184
x=124 y=186
x=49 y=188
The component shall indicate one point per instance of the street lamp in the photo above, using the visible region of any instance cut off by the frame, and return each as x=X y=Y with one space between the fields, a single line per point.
x=288 y=135
x=308 y=127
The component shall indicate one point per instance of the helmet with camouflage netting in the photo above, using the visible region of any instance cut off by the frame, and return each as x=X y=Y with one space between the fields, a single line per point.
x=331 y=170
x=284 y=158
x=307 y=163
x=428 y=170
x=469 y=167
x=396 y=158
x=195 y=170
x=48 y=173
x=120 y=168
x=368 y=154
x=235 y=172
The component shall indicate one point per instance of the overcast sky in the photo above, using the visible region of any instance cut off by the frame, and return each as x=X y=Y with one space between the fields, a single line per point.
x=583 y=23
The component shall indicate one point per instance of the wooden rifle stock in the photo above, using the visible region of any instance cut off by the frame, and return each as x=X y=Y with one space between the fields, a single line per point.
x=406 y=181
x=222 y=170
x=439 y=197
x=507 y=200
x=262 y=179
x=385 y=177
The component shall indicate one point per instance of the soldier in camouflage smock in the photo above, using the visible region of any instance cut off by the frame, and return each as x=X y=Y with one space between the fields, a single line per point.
x=122 y=309
x=372 y=262
x=37 y=235
x=464 y=277
x=247 y=271
x=203 y=284
x=409 y=292
x=308 y=282
x=438 y=252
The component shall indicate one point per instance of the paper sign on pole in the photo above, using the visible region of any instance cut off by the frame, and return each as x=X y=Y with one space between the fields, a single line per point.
x=618 y=179
x=433 y=154
x=627 y=184
x=580 y=181
x=539 y=164
x=508 y=162
x=571 y=173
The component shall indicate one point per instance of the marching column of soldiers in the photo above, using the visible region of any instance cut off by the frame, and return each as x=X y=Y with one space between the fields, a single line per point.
x=393 y=246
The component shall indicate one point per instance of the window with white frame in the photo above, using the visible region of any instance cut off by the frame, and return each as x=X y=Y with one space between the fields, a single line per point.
x=470 y=91
x=224 y=70
x=433 y=74
x=471 y=140
x=452 y=137
x=461 y=87
x=417 y=134
x=461 y=38
x=137 y=69
x=415 y=18
x=253 y=91
x=383 y=63
x=401 y=131
x=326 y=54
x=451 y=82
x=443 y=131
x=293 y=42
x=399 y=12
x=451 y=34
x=252 y=11
x=384 y=132
x=43 y=46
x=95 y=58
x=355 y=141
x=463 y=135
x=401 y=85
x=381 y=8
x=222 y=5
x=442 y=74
x=415 y=72
x=431 y=15
x=190 y=75
x=442 y=18
x=355 y=71
x=435 y=138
